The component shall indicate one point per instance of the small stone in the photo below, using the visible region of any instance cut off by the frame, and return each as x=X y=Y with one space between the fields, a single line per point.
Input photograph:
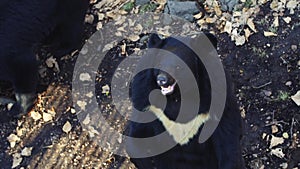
x=288 y=83
x=267 y=93
x=294 y=47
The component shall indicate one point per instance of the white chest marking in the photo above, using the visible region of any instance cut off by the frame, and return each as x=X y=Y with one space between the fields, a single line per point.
x=181 y=132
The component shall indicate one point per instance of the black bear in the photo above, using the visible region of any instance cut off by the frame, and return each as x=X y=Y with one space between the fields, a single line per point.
x=26 y=24
x=221 y=151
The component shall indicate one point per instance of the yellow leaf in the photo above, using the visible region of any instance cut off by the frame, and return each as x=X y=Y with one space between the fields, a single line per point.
x=17 y=159
x=228 y=27
x=276 y=21
x=276 y=141
x=277 y=152
x=217 y=10
x=240 y=40
x=211 y=20
x=251 y=24
x=26 y=151
x=266 y=34
x=13 y=139
x=296 y=98
x=67 y=127
x=47 y=117
x=247 y=34
x=198 y=16
x=35 y=115
x=291 y=5
x=287 y=19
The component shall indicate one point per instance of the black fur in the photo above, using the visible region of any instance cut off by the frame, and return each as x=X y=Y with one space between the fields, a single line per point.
x=221 y=151
x=24 y=25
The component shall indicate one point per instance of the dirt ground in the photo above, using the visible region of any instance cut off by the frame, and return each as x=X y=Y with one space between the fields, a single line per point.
x=265 y=70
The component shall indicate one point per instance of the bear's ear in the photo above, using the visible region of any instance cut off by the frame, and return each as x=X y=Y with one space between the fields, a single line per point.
x=212 y=39
x=154 y=41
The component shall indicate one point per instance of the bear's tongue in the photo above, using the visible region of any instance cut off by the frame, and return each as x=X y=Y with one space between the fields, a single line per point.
x=168 y=90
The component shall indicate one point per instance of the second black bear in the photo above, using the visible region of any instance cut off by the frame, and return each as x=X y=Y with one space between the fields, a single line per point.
x=221 y=151
x=26 y=24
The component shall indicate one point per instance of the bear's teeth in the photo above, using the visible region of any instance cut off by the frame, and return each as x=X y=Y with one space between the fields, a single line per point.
x=168 y=90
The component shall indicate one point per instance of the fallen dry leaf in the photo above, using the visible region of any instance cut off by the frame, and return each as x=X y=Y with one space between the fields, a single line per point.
x=47 y=117
x=276 y=21
x=291 y=5
x=35 y=115
x=247 y=33
x=67 y=127
x=266 y=34
x=276 y=141
x=198 y=16
x=240 y=40
x=13 y=139
x=296 y=98
x=228 y=27
x=277 y=152
x=17 y=159
x=287 y=19
x=26 y=151
x=251 y=25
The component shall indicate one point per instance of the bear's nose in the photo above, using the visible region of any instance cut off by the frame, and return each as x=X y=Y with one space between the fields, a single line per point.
x=162 y=79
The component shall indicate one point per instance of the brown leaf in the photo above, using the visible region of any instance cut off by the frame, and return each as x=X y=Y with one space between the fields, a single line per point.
x=67 y=127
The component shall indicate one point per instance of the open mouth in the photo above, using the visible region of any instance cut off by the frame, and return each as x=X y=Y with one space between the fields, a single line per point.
x=168 y=90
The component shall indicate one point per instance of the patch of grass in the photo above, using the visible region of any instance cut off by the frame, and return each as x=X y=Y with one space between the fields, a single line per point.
x=261 y=22
x=248 y=3
x=128 y=6
x=272 y=29
x=259 y=51
x=282 y=96
x=150 y=7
